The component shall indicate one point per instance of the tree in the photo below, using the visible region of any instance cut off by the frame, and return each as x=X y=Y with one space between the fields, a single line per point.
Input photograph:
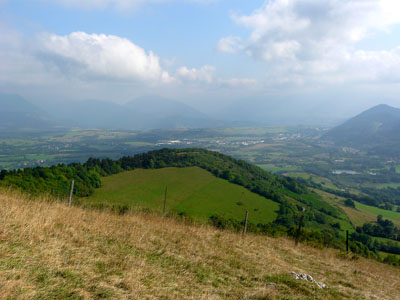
x=3 y=174
x=227 y=174
x=388 y=206
x=392 y=260
x=350 y=203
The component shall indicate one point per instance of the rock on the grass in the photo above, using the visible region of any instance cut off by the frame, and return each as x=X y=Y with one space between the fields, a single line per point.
x=307 y=277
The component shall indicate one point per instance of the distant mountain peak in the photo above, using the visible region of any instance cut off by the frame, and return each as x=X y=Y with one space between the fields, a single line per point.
x=376 y=126
x=16 y=113
x=383 y=107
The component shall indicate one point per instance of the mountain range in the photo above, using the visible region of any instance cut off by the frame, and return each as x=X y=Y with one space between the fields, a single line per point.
x=286 y=111
x=377 y=127
x=151 y=112
x=18 y=113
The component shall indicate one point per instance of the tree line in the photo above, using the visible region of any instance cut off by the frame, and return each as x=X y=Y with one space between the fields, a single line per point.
x=56 y=179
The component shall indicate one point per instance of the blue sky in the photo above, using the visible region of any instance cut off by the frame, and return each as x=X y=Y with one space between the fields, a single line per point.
x=201 y=50
x=184 y=31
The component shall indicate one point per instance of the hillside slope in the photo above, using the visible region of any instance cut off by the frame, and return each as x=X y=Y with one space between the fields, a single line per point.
x=291 y=195
x=192 y=192
x=51 y=251
x=376 y=126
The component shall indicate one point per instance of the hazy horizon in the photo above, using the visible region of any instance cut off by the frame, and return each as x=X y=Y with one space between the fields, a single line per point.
x=309 y=59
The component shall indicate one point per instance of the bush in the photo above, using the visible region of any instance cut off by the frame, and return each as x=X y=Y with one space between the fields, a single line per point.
x=221 y=222
x=350 y=203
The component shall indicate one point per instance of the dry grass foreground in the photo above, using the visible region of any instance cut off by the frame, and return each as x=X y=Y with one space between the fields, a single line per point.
x=51 y=251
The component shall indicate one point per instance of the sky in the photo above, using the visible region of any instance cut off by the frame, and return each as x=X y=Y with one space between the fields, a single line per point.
x=207 y=53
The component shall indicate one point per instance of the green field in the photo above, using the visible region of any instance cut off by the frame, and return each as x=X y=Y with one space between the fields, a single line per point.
x=345 y=220
x=384 y=254
x=394 y=216
x=193 y=191
x=325 y=182
x=386 y=185
x=362 y=213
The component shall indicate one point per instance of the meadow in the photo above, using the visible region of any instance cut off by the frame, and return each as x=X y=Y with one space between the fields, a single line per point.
x=52 y=251
x=191 y=191
x=361 y=214
x=391 y=215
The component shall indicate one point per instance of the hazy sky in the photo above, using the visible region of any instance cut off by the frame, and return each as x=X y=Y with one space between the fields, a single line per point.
x=201 y=50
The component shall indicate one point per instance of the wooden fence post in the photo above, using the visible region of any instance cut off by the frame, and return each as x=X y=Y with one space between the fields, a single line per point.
x=299 y=230
x=347 y=241
x=245 y=222
x=165 y=199
x=71 y=191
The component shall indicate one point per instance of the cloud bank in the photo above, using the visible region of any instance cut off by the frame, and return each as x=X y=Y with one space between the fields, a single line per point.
x=203 y=74
x=100 y=56
x=302 y=38
x=92 y=64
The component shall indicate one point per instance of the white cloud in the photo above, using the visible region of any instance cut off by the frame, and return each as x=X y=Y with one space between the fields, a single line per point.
x=313 y=37
x=204 y=74
x=98 y=64
x=100 y=56
x=238 y=83
x=381 y=66
x=17 y=63
x=230 y=44
x=206 y=79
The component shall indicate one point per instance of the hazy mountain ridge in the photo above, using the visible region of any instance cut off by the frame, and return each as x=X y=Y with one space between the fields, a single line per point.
x=283 y=111
x=170 y=114
x=17 y=113
x=155 y=112
x=375 y=127
x=151 y=112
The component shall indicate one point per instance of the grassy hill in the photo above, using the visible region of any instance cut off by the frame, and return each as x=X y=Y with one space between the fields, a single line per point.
x=199 y=194
x=56 y=179
x=51 y=251
x=192 y=191
x=203 y=185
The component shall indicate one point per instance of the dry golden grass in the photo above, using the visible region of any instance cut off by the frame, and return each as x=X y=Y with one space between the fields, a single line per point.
x=51 y=251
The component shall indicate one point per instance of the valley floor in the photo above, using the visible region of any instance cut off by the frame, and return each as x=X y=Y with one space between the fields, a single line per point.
x=51 y=251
